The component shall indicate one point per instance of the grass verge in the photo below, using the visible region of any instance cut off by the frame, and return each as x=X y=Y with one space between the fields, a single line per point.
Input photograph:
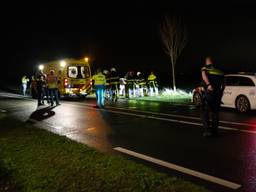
x=32 y=159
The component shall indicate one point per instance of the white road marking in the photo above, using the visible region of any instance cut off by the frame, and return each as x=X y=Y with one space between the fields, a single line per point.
x=180 y=116
x=180 y=169
x=171 y=115
x=164 y=119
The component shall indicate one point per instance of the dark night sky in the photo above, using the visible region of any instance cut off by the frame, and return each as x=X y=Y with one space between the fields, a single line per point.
x=127 y=35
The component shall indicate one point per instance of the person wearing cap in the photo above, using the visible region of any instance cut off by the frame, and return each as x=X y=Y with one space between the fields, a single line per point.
x=99 y=82
x=52 y=82
x=114 y=84
x=213 y=84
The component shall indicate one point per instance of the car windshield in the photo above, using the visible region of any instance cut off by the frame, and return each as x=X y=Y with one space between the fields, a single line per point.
x=78 y=72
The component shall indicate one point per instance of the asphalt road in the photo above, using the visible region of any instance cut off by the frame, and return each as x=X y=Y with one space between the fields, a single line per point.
x=167 y=135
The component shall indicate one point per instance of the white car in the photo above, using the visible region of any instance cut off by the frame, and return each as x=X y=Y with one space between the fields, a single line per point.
x=239 y=93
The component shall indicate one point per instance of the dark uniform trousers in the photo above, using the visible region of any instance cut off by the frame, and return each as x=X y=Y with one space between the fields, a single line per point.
x=211 y=105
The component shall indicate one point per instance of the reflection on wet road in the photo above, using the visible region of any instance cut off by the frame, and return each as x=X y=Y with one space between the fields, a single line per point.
x=169 y=132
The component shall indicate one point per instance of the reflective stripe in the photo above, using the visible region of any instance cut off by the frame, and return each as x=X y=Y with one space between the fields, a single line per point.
x=212 y=71
x=151 y=77
x=216 y=72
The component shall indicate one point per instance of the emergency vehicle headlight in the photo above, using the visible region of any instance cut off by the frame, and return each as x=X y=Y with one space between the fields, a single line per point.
x=63 y=63
x=40 y=67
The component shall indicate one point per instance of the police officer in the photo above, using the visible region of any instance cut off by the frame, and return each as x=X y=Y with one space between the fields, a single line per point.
x=99 y=81
x=122 y=83
x=152 y=84
x=130 y=84
x=114 y=84
x=213 y=83
x=141 y=84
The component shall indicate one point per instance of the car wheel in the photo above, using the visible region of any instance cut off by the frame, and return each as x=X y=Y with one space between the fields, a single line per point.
x=242 y=104
x=197 y=99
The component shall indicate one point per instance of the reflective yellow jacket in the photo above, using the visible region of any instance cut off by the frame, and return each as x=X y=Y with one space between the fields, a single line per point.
x=151 y=77
x=99 y=79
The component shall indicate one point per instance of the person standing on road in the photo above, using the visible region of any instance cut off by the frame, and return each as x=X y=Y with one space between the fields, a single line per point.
x=39 y=87
x=52 y=82
x=130 y=87
x=114 y=84
x=107 y=89
x=45 y=91
x=99 y=82
x=213 y=83
x=33 y=90
x=152 y=84
x=24 y=82
x=141 y=83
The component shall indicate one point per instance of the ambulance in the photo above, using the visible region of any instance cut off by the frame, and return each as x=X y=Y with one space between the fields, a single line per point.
x=74 y=76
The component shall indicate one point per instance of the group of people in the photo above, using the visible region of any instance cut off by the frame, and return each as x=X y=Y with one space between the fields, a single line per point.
x=43 y=86
x=108 y=84
x=139 y=86
x=131 y=85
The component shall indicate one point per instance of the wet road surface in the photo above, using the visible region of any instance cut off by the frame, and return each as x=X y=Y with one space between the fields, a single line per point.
x=167 y=132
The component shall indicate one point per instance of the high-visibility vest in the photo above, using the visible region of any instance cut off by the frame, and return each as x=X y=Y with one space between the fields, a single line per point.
x=215 y=76
x=151 y=77
x=52 y=81
x=24 y=80
x=212 y=71
x=99 y=79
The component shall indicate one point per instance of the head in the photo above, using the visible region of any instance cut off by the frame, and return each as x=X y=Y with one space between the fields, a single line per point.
x=105 y=72
x=99 y=70
x=113 y=69
x=138 y=73
x=52 y=72
x=131 y=73
x=208 y=61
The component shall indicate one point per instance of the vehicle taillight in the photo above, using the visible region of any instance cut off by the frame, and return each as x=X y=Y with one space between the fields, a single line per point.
x=65 y=82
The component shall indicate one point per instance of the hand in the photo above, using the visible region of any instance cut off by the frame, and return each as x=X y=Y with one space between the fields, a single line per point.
x=209 y=88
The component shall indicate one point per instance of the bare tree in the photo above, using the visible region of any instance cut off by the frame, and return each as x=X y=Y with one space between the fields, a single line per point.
x=174 y=37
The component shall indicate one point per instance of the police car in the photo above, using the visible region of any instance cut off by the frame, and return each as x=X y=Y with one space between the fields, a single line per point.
x=239 y=93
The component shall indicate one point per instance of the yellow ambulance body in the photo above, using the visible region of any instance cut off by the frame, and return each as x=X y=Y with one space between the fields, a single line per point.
x=74 y=76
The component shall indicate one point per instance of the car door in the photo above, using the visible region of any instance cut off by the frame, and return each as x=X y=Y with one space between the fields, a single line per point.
x=246 y=87
x=230 y=91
